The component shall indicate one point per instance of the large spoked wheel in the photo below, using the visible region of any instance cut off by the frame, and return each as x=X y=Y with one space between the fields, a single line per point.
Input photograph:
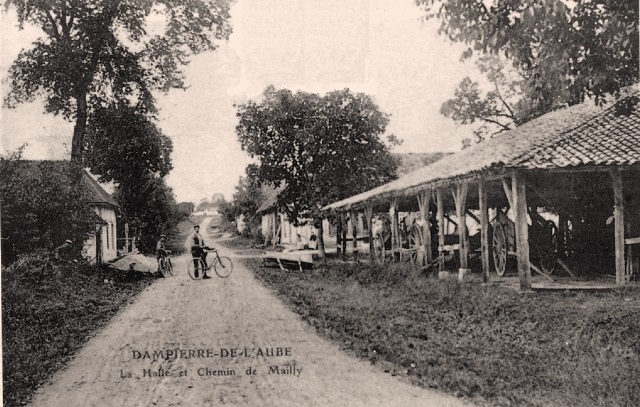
x=379 y=250
x=195 y=267
x=223 y=267
x=547 y=251
x=416 y=244
x=499 y=249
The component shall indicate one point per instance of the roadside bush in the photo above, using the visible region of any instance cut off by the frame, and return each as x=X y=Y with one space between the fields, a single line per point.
x=42 y=206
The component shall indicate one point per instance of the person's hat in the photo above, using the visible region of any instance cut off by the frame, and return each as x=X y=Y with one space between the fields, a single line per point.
x=68 y=241
x=161 y=236
x=196 y=226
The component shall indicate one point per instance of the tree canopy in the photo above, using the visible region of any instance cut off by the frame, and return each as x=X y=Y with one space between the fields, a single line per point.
x=565 y=51
x=100 y=51
x=499 y=109
x=318 y=149
x=123 y=145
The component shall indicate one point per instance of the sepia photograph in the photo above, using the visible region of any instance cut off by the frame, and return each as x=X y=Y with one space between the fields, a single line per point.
x=430 y=203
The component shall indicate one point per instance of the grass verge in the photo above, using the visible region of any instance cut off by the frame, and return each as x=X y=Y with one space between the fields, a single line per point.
x=48 y=316
x=489 y=344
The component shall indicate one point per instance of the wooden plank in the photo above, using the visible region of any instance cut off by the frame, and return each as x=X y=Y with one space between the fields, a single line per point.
x=484 y=229
x=522 y=230
x=440 y=205
x=618 y=213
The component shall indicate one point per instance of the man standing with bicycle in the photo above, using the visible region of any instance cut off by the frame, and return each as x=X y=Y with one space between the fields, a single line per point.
x=198 y=251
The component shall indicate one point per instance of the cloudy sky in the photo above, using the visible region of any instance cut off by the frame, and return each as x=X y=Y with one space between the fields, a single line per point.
x=374 y=46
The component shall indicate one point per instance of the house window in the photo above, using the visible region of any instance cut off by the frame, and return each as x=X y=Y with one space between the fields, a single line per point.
x=113 y=234
x=107 y=236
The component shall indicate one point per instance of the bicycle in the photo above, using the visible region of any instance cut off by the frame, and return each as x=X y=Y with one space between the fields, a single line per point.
x=164 y=265
x=222 y=265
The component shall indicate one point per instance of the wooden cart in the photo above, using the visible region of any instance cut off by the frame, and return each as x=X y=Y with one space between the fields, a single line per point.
x=543 y=238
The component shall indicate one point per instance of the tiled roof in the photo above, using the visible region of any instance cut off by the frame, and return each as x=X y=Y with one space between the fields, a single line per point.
x=579 y=135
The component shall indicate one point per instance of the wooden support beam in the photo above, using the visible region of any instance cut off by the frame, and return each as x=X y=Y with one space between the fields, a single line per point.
x=519 y=200
x=339 y=234
x=460 y=199
x=508 y=192
x=354 y=232
x=393 y=214
x=618 y=214
x=423 y=204
x=343 y=221
x=441 y=230
x=369 y=214
x=484 y=229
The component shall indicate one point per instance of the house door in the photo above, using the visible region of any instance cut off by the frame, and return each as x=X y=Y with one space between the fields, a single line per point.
x=99 y=246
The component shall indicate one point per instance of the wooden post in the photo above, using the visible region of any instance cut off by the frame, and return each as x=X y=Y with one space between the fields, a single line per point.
x=562 y=234
x=423 y=203
x=618 y=213
x=484 y=229
x=354 y=232
x=343 y=221
x=519 y=199
x=126 y=238
x=441 y=230
x=393 y=213
x=339 y=234
x=369 y=213
x=460 y=199
x=320 y=240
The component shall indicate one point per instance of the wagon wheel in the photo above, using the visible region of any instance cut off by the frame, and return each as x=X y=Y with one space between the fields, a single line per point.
x=547 y=251
x=499 y=249
x=416 y=244
x=379 y=250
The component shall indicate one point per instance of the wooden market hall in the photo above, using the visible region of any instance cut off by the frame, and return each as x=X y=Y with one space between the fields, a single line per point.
x=559 y=192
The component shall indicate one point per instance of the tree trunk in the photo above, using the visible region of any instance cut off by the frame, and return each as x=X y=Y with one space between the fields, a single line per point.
x=320 y=237
x=80 y=128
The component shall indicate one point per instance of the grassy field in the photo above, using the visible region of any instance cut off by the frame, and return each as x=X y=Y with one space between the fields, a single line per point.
x=489 y=344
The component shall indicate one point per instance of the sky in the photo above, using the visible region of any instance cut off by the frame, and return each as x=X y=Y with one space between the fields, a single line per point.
x=378 y=47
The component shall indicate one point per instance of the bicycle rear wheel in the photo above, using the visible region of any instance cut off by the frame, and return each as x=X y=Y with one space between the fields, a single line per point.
x=169 y=267
x=195 y=267
x=223 y=267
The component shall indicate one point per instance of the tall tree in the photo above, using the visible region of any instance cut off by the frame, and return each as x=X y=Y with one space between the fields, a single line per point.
x=565 y=51
x=94 y=52
x=123 y=145
x=318 y=148
x=502 y=107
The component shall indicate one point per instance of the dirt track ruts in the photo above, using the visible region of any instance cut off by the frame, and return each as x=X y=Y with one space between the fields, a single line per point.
x=237 y=312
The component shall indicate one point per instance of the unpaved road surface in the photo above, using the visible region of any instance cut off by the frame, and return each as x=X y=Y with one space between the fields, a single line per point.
x=210 y=318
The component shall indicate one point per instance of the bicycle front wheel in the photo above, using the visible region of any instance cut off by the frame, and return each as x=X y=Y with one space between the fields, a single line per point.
x=169 y=267
x=223 y=267
x=195 y=268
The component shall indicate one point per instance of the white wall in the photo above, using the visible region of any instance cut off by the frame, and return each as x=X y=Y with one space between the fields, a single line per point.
x=108 y=234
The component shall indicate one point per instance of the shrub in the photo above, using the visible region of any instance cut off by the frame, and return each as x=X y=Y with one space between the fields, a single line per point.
x=42 y=206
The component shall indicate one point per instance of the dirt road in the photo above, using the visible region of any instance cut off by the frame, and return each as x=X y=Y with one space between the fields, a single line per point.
x=222 y=330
